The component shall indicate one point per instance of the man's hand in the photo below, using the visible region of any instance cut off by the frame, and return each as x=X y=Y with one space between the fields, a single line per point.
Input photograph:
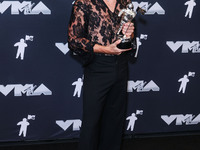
x=110 y=49
x=113 y=49
x=128 y=29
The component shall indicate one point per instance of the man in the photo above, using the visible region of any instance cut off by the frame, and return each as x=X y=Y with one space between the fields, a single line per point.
x=92 y=35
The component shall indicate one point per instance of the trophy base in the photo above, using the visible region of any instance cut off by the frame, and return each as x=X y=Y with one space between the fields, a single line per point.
x=125 y=44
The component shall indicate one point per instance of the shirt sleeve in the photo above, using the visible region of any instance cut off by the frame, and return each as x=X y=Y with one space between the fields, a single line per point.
x=77 y=31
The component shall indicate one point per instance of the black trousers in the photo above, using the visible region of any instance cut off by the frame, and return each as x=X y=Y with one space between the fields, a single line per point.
x=104 y=103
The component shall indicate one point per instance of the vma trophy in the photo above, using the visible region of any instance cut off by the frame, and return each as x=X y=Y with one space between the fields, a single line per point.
x=127 y=15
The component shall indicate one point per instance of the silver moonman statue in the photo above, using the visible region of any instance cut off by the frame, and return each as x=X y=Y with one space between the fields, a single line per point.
x=127 y=15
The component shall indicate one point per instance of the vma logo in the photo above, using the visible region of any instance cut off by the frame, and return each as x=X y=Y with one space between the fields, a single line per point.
x=27 y=7
x=151 y=9
x=185 y=46
x=187 y=119
x=142 y=86
x=76 y=124
x=28 y=89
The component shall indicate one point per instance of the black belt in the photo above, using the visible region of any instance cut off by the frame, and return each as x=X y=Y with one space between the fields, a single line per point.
x=102 y=54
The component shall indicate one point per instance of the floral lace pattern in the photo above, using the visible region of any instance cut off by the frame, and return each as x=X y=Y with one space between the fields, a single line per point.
x=92 y=23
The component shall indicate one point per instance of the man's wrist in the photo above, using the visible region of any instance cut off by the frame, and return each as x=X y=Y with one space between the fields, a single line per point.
x=100 y=49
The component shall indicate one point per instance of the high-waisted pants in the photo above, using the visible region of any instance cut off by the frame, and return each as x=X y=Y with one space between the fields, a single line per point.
x=104 y=103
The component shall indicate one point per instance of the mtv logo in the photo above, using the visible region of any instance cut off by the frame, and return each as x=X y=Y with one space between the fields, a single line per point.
x=139 y=112
x=31 y=117
x=29 y=38
x=143 y=36
x=191 y=74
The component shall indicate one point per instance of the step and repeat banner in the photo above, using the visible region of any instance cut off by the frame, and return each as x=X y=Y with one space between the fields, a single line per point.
x=41 y=84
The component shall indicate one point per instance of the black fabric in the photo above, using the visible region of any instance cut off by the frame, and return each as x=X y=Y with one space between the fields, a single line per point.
x=104 y=103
